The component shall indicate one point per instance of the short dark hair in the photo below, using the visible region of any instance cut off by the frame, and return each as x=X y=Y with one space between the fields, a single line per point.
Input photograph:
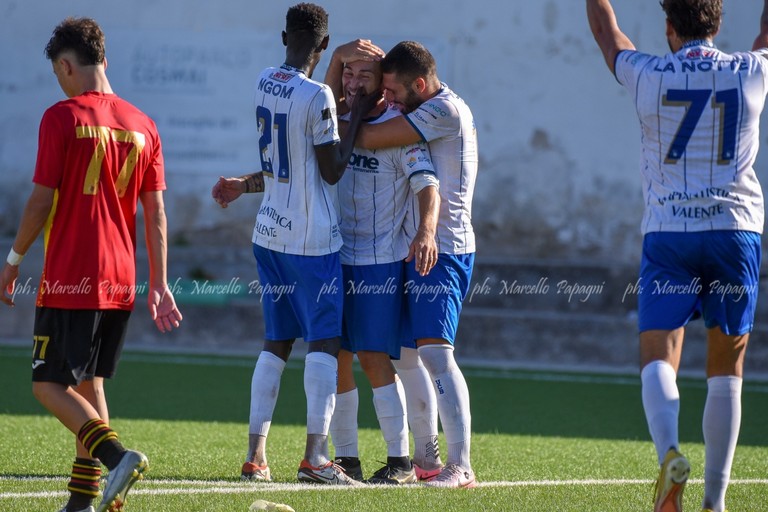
x=409 y=60
x=310 y=19
x=80 y=35
x=694 y=19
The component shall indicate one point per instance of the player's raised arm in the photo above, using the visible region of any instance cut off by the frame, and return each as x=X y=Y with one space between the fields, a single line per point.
x=605 y=29
x=761 y=41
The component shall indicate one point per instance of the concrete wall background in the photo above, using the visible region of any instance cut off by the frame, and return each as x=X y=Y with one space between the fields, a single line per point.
x=558 y=197
x=559 y=142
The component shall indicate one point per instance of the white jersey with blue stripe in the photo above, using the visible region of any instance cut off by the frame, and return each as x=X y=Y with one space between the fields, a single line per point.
x=374 y=196
x=699 y=111
x=447 y=124
x=298 y=214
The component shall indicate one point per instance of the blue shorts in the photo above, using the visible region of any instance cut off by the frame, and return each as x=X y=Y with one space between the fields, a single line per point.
x=373 y=307
x=433 y=302
x=713 y=274
x=302 y=296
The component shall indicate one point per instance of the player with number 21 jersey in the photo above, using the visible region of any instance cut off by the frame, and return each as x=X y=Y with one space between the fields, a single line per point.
x=298 y=212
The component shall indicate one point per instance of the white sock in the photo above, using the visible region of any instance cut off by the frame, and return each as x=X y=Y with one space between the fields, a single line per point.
x=721 y=423
x=661 y=402
x=344 y=424
x=320 y=387
x=421 y=405
x=452 y=400
x=265 y=386
x=389 y=402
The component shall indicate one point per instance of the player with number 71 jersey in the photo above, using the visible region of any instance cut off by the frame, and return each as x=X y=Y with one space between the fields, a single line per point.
x=699 y=110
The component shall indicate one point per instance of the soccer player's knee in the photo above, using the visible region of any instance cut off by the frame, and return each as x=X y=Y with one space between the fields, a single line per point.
x=376 y=364
x=437 y=358
x=329 y=346
x=409 y=359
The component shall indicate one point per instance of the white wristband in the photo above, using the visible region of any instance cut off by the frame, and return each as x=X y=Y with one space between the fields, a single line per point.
x=14 y=258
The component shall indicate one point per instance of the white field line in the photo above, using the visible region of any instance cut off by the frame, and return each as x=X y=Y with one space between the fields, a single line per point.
x=177 y=487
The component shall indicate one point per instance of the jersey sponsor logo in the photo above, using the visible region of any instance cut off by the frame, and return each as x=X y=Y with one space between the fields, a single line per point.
x=271 y=214
x=328 y=113
x=699 y=53
x=281 y=76
x=413 y=160
x=275 y=89
x=716 y=192
x=417 y=115
x=697 y=212
x=364 y=163
x=267 y=231
x=37 y=362
x=436 y=109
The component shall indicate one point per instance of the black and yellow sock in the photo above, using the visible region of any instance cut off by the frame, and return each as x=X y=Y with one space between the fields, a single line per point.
x=83 y=484
x=101 y=442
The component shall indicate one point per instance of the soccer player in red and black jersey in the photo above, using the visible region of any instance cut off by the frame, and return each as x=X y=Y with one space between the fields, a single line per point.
x=98 y=156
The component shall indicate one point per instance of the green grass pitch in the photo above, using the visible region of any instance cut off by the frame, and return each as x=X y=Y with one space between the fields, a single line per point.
x=542 y=441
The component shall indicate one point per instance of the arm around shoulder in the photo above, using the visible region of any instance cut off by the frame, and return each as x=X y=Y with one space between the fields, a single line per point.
x=394 y=132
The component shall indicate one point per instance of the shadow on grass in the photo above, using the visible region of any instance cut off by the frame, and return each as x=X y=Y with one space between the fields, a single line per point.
x=200 y=388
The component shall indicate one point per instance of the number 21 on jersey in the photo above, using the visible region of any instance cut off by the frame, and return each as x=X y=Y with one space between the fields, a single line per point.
x=277 y=124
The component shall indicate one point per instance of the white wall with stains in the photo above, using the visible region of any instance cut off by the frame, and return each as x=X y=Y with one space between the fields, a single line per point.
x=559 y=141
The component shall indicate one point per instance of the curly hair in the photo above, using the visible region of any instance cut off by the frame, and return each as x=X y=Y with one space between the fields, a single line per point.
x=308 y=18
x=83 y=36
x=694 y=19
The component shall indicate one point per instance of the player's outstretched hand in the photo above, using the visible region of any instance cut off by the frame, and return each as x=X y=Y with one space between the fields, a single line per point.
x=8 y=283
x=359 y=49
x=423 y=249
x=227 y=190
x=162 y=308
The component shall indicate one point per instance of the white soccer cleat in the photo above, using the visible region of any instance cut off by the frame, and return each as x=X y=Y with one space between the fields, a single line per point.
x=454 y=476
x=131 y=468
x=329 y=474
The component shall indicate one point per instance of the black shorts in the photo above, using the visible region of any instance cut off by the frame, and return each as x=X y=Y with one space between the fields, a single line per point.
x=73 y=345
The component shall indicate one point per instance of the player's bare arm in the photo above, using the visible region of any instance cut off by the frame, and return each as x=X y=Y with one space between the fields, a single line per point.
x=394 y=132
x=605 y=29
x=333 y=158
x=227 y=190
x=761 y=41
x=36 y=212
x=359 y=49
x=162 y=306
x=424 y=248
